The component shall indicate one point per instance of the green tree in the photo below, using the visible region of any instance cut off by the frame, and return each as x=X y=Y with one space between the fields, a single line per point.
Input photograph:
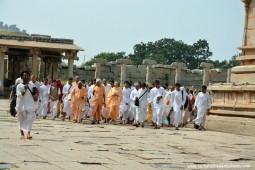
x=167 y=51
x=107 y=56
x=111 y=56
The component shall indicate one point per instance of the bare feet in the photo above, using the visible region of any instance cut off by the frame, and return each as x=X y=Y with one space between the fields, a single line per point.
x=28 y=136
x=22 y=135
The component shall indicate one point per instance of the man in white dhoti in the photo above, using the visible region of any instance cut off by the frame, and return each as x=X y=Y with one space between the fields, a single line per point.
x=36 y=84
x=125 y=103
x=141 y=110
x=67 y=110
x=177 y=104
x=54 y=93
x=202 y=106
x=132 y=110
x=106 y=110
x=156 y=97
x=44 y=98
x=25 y=105
x=90 y=93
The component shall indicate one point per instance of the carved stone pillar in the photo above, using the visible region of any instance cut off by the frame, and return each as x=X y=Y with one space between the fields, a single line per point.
x=41 y=69
x=98 y=62
x=123 y=63
x=149 y=64
x=71 y=55
x=10 y=66
x=47 y=67
x=98 y=69
x=178 y=69
x=55 y=70
x=35 y=55
x=229 y=75
x=246 y=6
x=3 y=50
x=123 y=73
x=206 y=76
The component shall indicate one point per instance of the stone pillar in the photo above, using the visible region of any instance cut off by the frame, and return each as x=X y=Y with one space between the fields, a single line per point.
x=70 y=67
x=229 y=75
x=123 y=73
x=47 y=67
x=97 y=63
x=246 y=6
x=71 y=55
x=55 y=70
x=207 y=75
x=149 y=64
x=35 y=55
x=41 y=70
x=9 y=67
x=97 y=71
x=3 y=50
x=178 y=70
x=123 y=63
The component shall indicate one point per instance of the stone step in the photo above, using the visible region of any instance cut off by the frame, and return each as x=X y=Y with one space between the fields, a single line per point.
x=233 y=113
x=235 y=125
x=234 y=106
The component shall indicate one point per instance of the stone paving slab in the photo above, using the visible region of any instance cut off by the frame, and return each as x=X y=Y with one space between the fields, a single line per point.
x=65 y=145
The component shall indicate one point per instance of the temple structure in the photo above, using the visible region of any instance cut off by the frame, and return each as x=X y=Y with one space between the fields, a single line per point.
x=233 y=107
x=44 y=52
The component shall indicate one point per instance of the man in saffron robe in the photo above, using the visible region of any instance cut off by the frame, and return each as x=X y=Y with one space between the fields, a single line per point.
x=114 y=99
x=80 y=94
x=98 y=101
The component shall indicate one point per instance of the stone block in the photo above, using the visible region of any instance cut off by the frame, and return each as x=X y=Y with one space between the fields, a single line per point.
x=178 y=65
x=206 y=65
x=99 y=60
x=123 y=61
x=149 y=62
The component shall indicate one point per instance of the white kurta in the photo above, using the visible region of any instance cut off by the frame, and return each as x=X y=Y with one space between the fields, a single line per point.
x=132 y=110
x=125 y=103
x=90 y=95
x=143 y=105
x=106 y=110
x=44 y=97
x=203 y=102
x=67 y=104
x=178 y=99
x=107 y=89
x=157 y=105
x=25 y=108
x=37 y=103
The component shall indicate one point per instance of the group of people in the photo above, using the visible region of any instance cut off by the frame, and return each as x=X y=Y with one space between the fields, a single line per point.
x=106 y=102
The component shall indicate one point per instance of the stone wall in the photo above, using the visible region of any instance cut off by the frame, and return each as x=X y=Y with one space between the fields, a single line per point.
x=163 y=73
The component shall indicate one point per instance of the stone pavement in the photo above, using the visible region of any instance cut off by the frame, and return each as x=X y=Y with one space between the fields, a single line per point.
x=65 y=145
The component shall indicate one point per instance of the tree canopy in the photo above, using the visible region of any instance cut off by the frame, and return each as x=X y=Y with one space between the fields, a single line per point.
x=168 y=50
x=12 y=28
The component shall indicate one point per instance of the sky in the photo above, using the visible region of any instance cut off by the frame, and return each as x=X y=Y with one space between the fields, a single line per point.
x=117 y=25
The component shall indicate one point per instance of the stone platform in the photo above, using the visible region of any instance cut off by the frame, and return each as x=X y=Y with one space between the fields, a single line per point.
x=65 y=145
x=233 y=108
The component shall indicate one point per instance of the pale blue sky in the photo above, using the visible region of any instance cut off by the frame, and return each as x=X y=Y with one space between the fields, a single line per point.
x=117 y=25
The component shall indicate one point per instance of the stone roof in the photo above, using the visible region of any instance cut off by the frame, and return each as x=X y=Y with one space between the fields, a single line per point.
x=38 y=41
